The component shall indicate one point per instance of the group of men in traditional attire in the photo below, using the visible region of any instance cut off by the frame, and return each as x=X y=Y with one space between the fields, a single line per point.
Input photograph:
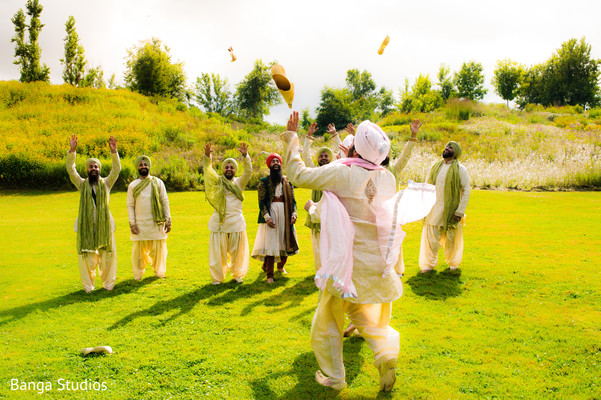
x=355 y=215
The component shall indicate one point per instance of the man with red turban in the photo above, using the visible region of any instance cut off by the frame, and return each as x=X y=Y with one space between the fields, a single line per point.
x=276 y=237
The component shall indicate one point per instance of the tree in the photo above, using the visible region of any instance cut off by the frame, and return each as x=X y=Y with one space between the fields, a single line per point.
x=447 y=88
x=28 y=54
x=213 y=94
x=572 y=75
x=306 y=120
x=569 y=77
x=257 y=92
x=149 y=70
x=364 y=98
x=470 y=81
x=74 y=61
x=334 y=108
x=421 y=98
x=506 y=79
x=386 y=102
x=94 y=78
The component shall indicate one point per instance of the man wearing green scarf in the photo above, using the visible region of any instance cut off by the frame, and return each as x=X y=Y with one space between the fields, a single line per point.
x=443 y=226
x=324 y=156
x=149 y=220
x=95 y=226
x=228 y=244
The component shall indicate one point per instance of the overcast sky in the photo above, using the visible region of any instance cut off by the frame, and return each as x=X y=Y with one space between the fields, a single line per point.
x=317 y=41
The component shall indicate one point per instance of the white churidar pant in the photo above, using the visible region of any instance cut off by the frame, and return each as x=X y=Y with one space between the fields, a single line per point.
x=431 y=242
x=105 y=261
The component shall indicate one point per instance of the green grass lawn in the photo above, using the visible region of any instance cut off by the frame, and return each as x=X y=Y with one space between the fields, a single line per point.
x=521 y=319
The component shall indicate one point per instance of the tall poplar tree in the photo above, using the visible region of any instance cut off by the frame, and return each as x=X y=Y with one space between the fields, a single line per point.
x=74 y=61
x=28 y=53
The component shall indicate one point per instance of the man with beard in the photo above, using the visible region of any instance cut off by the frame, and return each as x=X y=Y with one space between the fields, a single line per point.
x=276 y=237
x=442 y=226
x=95 y=226
x=361 y=214
x=324 y=157
x=149 y=220
x=228 y=244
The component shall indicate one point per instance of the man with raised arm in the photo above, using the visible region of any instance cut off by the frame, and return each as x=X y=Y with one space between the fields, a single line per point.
x=149 y=220
x=324 y=155
x=95 y=226
x=276 y=236
x=228 y=244
x=360 y=236
x=443 y=224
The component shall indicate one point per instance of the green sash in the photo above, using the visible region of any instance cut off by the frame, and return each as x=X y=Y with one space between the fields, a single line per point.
x=88 y=238
x=215 y=186
x=452 y=192
x=155 y=199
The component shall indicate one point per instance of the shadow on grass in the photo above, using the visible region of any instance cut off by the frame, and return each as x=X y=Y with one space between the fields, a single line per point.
x=289 y=298
x=79 y=296
x=303 y=371
x=437 y=285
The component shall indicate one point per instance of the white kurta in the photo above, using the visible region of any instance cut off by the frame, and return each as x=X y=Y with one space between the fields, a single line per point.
x=228 y=243
x=105 y=261
x=139 y=211
x=150 y=244
x=432 y=239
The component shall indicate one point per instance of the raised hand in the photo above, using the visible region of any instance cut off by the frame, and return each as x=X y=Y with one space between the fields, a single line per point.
x=72 y=143
x=312 y=129
x=331 y=129
x=113 y=144
x=350 y=128
x=292 y=124
x=344 y=149
x=243 y=149
x=208 y=149
x=414 y=126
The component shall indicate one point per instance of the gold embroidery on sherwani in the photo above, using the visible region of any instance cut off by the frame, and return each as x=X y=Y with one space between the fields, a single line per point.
x=370 y=191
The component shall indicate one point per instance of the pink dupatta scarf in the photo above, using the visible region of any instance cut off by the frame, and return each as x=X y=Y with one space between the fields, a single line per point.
x=338 y=232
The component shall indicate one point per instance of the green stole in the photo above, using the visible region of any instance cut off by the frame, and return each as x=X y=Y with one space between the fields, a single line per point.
x=155 y=199
x=315 y=197
x=88 y=238
x=215 y=186
x=452 y=192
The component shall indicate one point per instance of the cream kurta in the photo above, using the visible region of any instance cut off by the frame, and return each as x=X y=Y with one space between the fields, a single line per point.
x=359 y=190
x=228 y=243
x=139 y=211
x=234 y=219
x=435 y=216
x=432 y=238
x=109 y=181
x=397 y=167
x=105 y=261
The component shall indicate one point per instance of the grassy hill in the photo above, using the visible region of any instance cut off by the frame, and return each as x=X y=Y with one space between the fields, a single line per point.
x=554 y=148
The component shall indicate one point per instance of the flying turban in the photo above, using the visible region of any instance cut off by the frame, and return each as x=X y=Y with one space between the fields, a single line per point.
x=371 y=142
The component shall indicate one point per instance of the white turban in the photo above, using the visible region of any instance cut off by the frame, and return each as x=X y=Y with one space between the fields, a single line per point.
x=371 y=142
x=348 y=141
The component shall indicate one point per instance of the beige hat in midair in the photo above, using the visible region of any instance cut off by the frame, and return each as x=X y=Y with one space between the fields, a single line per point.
x=286 y=88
